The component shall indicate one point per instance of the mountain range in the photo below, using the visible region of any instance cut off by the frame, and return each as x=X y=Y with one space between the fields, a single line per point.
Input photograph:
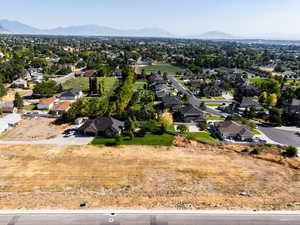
x=15 y=27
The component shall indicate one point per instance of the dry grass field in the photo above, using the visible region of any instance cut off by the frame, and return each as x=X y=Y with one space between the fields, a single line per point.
x=144 y=177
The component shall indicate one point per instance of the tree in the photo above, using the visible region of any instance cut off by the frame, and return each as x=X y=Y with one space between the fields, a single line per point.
x=3 y=90
x=101 y=87
x=165 y=76
x=203 y=106
x=18 y=102
x=297 y=93
x=182 y=129
x=275 y=116
x=263 y=98
x=272 y=99
x=93 y=85
x=166 y=119
x=46 y=89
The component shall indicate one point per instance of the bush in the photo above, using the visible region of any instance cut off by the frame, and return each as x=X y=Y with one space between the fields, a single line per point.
x=245 y=150
x=256 y=151
x=290 y=151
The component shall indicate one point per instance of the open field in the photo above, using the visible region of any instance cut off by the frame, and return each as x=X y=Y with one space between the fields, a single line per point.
x=162 y=68
x=33 y=129
x=143 y=177
x=110 y=83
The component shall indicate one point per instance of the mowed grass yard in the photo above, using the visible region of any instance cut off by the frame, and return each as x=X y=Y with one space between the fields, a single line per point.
x=205 y=136
x=82 y=83
x=149 y=139
x=163 y=68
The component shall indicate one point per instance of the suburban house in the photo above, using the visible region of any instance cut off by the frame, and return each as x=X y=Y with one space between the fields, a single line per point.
x=90 y=73
x=171 y=102
x=9 y=121
x=46 y=103
x=8 y=107
x=72 y=94
x=37 y=77
x=156 y=78
x=213 y=91
x=247 y=103
x=160 y=94
x=20 y=83
x=233 y=130
x=190 y=114
x=102 y=126
x=61 y=107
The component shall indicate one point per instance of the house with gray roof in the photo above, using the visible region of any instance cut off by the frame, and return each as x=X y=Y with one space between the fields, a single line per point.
x=102 y=126
x=233 y=130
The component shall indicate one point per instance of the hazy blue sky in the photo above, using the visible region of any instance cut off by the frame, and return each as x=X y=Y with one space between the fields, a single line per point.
x=176 y=16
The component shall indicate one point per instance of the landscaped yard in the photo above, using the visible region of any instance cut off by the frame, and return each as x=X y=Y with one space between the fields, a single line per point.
x=205 y=136
x=163 y=68
x=213 y=104
x=149 y=139
x=211 y=117
x=139 y=84
x=256 y=132
x=110 y=83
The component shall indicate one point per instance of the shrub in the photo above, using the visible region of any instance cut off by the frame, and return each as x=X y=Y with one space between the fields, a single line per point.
x=290 y=151
x=256 y=151
x=245 y=150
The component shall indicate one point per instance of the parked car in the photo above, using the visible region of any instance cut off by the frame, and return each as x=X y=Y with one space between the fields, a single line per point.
x=298 y=133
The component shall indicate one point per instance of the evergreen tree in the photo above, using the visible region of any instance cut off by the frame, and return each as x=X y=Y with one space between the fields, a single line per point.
x=18 y=102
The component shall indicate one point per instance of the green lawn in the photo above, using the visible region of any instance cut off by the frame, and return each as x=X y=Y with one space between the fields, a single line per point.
x=211 y=117
x=82 y=83
x=139 y=84
x=149 y=139
x=163 y=68
x=256 y=80
x=29 y=107
x=213 y=104
x=205 y=136
x=256 y=132
x=212 y=98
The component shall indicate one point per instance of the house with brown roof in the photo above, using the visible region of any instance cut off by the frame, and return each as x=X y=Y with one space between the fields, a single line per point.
x=46 y=103
x=61 y=107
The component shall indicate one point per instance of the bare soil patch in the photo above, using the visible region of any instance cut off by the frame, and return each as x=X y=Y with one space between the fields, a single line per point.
x=143 y=177
x=33 y=129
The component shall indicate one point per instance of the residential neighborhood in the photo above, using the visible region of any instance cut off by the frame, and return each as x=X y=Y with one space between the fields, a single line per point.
x=112 y=116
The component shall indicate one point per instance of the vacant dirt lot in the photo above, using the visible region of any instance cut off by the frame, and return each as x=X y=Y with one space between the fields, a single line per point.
x=33 y=129
x=140 y=177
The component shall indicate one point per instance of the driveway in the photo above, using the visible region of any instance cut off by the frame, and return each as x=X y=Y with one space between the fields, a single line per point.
x=282 y=136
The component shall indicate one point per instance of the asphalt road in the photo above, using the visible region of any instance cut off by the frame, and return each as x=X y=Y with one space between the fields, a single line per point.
x=281 y=136
x=147 y=219
x=195 y=101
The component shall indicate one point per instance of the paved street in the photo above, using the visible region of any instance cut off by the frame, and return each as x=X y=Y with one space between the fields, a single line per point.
x=195 y=101
x=148 y=219
x=284 y=137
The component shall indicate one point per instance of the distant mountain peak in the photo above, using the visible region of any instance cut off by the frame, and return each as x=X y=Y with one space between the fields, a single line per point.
x=84 y=30
x=216 y=35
